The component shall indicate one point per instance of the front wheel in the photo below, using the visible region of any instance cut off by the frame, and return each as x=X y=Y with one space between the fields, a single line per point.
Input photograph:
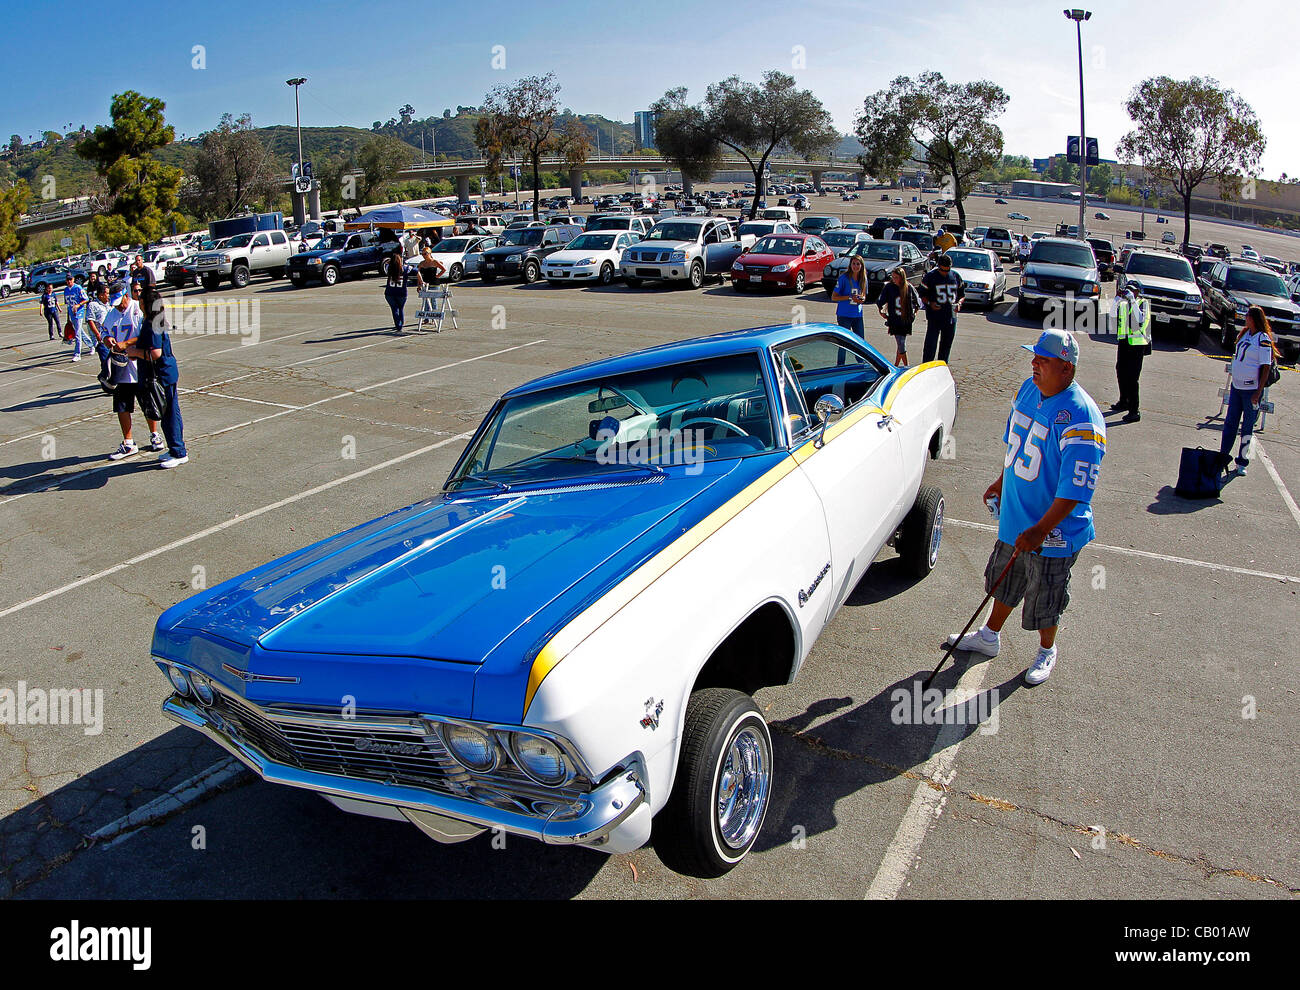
x=798 y=283
x=531 y=272
x=921 y=532
x=606 y=273
x=631 y=283
x=4 y=292
x=239 y=276
x=697 y=275
x=456 y=273
x=330 y=274
x=723 y=785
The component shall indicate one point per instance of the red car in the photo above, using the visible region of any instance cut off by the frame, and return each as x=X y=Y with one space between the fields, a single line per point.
x=787 y=260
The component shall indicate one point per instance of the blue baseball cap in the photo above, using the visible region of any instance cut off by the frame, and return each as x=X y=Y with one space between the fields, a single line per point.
x=1056 y=344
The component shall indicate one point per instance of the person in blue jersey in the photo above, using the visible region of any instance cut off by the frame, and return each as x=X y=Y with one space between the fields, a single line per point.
x=851 y=292
x=1056 y=438
x=76 y=300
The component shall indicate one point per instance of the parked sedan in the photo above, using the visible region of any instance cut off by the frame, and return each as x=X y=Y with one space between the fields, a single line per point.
x=840 y=240
x=879 y=258
x=982 y=273
x=452 y=252
x=593 y=257
x=740 y=483
x=787 y=260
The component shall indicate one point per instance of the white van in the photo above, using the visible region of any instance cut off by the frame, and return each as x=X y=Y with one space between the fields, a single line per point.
x=489 y=222
x=786 y=213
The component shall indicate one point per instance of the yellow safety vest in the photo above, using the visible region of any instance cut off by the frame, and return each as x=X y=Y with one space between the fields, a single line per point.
x=1137 y=335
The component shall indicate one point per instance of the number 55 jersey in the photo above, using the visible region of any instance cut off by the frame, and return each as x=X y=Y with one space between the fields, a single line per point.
x=1054 y=450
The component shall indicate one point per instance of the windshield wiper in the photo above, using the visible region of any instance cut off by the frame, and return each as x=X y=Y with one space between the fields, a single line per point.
x=500 y=486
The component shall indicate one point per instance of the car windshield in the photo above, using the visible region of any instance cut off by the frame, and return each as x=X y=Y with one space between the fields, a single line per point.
x=777 y=244
x=877 y=250
x=592 y=242
x=239 y=240
x=522 y=237
x=971 y=260
x=677 y=414
x=1056 y=253
x=674 y=232
x=453 y=245
x=841 y=238
x=1252 y=280
x=332 y=242
x=1161 y=266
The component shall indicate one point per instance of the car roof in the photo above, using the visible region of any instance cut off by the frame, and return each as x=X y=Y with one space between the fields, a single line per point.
x=727 y=344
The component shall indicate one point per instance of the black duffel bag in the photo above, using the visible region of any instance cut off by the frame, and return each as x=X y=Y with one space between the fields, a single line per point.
x=1200 y=473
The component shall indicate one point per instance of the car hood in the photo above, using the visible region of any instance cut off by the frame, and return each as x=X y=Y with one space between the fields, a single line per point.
x=502 y=252
x=665 y=245
x=322 y=253
x=771 y=260
x=1041 y=269
x=974 y=276
x=872 y=265
x=1159 y=282
x=445 y=603
x=1268 y=302
x=571 y=256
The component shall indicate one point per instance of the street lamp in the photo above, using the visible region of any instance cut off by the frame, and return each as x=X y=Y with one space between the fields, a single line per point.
x=295 y=83
x=1079 y=16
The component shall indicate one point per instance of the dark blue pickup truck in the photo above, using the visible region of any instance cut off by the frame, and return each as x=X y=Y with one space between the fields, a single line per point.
x=348 y=253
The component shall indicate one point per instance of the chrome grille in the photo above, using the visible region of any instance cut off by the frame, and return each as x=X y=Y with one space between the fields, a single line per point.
x=380 y=748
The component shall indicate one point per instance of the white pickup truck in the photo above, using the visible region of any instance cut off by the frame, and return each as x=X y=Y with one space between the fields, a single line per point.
x=245 y=255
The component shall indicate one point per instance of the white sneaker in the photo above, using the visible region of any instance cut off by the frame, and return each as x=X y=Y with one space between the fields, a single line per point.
x=156 y=442
x=76 y=357
x=977 y=642
x=124 y=449
x=168 y=461
x=1041 y=669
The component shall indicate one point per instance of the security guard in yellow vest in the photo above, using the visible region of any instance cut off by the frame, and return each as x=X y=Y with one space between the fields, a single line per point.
x=1134 y=321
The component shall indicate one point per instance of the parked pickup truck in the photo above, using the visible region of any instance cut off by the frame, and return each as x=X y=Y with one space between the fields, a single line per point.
x=351 y=253
x=683 y=249
x=245 y=255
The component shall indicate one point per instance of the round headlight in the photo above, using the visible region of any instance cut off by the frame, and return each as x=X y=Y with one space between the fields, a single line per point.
x=179 y=681
x=472 y=748
x=202 y=689
x=540 y=758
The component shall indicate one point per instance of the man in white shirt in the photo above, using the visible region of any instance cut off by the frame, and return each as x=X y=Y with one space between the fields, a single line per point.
x=121 y=328
x=1251 y=363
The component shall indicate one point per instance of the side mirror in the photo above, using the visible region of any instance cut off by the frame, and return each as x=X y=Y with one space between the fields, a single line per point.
x=828 y=407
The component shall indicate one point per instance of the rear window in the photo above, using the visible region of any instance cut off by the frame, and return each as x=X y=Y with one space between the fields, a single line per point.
x=1001 y=233
x=1057 y=253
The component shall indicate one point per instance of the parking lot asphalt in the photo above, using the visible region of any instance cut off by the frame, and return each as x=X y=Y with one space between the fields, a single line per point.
x=1158 y=760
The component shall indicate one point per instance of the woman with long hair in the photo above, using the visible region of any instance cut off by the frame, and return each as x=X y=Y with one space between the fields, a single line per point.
x=395 y=280
x=153 y=349
x=1252 y=360
x=898 y=304
x=851 y=292
x=430 y=268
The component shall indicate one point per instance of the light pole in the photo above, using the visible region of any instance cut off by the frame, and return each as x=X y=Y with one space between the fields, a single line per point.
x=295 y=83
x=1079 y=16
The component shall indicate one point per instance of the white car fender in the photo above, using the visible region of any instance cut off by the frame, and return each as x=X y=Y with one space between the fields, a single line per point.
x=628 y=664
x=922 y=402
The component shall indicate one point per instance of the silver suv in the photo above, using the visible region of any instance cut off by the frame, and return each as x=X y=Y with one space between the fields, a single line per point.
x=687 y=249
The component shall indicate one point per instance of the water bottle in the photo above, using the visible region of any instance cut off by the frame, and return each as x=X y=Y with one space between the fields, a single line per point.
x=993 y=504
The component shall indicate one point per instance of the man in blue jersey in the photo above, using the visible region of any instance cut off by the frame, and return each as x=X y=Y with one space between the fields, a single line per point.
x=1056 y=438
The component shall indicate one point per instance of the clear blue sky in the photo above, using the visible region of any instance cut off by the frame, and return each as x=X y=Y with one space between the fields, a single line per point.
x=363 y=60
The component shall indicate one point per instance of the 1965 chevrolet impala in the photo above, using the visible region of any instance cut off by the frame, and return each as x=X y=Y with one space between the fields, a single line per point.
x=563 y=642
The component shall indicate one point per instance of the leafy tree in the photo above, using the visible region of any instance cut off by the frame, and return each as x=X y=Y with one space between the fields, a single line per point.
x=15 y=142
x=380 y=161
x=52 y=137
x=521 y=119
x=446 y=114
x=1190 y=130
x=233 y=168
x=753 y=120
x=13 y=204
x=1100 y=179
x=146 y=191
x=941 y=126
x=406 y=112
x=574 y=143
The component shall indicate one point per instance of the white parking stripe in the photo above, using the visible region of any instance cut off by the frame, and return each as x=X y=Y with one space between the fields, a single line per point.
x=242 y=517
x=1290 y=578
x=927 y=800
x=1277 y=480
x=183 y=794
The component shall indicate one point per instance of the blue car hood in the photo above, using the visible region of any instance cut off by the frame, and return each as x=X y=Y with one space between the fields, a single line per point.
x=461 y=587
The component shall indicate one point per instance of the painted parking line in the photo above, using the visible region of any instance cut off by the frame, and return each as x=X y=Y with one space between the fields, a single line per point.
x=178 y=798
x=1129 y=551
x=1277 y=480
x=235 y=521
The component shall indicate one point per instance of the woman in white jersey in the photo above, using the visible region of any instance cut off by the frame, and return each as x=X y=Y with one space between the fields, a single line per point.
x=1251 y=363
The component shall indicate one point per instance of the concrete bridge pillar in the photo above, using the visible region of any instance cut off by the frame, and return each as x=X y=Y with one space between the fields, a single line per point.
x=687 y=185
x=314 y=201
x=462 y=188
x=299 y=208
x=817 y=178
x=862 y=179
x=575 y=183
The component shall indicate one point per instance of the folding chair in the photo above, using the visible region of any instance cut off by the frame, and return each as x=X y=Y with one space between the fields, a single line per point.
x=435 y=307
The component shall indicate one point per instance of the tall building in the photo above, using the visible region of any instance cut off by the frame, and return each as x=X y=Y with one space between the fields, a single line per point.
x=643 y=123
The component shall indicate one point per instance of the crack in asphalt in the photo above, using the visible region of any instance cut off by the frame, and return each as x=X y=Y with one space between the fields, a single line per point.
x=1208 y=869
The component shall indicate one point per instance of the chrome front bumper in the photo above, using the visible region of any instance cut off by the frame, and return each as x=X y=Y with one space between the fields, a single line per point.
x=607 y=806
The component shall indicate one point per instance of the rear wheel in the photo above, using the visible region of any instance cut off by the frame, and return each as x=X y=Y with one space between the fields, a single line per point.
x=921 y=532
x=722 y=788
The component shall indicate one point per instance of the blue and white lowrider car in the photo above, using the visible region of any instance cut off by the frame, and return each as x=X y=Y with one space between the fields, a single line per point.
x=563 y=643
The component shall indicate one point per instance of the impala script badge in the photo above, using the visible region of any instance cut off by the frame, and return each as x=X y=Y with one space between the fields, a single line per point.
x=807 y=593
